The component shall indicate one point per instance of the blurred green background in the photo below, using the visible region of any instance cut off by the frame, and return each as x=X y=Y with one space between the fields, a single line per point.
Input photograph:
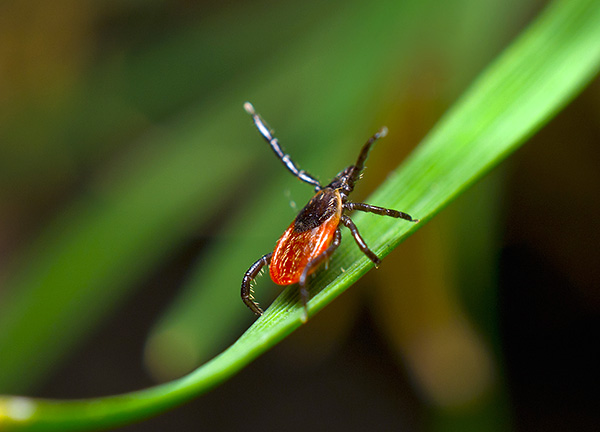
x=135 y=191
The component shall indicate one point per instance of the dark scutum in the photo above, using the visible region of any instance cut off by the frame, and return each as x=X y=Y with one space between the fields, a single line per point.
x=317 y=211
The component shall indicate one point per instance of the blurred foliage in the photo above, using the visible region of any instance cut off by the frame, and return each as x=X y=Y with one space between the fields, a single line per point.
x=123 y=143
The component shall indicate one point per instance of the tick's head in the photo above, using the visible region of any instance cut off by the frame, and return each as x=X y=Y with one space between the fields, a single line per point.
x=344 y=181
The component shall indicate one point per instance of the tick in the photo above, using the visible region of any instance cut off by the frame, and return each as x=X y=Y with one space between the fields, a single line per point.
x=315 y=234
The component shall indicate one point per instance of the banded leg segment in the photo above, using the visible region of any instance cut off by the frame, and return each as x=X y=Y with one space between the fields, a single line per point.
x=250 y=275
x=312 y=265
x=359 y=240
x=274 y=143
x=379 y=210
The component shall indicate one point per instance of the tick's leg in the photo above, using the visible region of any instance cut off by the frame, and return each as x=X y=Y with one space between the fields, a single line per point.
x=362 y=157
x=379 y=210
x=359 y=240
x=274 y=143
x=250 y=275
x=312 y=265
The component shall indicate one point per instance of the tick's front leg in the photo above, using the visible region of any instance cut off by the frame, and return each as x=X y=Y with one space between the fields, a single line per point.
x=250 y=275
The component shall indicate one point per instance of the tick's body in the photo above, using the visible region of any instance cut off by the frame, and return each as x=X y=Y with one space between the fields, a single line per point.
x=315 y=234
x=307 y=237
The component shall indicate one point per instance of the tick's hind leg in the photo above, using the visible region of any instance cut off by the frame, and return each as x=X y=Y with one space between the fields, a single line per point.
x=359 y=240
x=379 y=210
x=250 y=275
x=312 y=266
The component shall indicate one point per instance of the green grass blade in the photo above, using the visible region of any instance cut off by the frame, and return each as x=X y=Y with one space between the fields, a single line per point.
x=530 y=82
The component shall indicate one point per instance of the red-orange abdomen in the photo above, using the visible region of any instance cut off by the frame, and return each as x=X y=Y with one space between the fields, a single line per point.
x=306 y=238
